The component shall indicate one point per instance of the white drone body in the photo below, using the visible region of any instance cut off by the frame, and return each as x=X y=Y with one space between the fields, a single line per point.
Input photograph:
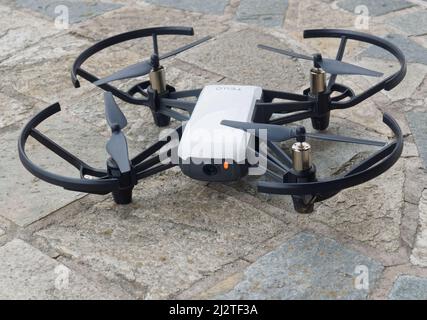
x=209 y=150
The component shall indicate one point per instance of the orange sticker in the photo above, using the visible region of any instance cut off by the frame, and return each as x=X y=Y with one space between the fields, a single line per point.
x=226 y=165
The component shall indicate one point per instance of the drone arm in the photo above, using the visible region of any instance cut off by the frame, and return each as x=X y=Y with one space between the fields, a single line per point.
x=185 y=94
x=152 y=171
x=284 y=107
x=147 y=164
x=150 y=151
x=270 y=95
x=173 y=114
x=151 y=166
x=180 y=104
x=265 y=108
x=272 y=163
x=280 y=153
x=292 y=117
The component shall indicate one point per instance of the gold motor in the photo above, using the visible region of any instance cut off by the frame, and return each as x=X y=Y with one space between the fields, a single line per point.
x=301 y=156
x=158 y=80
x=317 y=81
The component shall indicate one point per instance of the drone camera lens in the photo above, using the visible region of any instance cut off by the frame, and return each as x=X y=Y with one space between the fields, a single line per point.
x=210 y=169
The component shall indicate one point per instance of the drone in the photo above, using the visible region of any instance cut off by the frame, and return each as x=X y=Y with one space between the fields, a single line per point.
x=227 y=131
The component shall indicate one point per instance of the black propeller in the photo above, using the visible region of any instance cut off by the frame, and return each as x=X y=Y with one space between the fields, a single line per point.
x=143 y=68
x=334 y=67
x=117 y=146
x=278 y=133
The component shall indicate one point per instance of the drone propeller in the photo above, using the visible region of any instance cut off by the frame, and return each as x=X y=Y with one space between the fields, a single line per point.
x=113 y=113
x=330 y=66
x=143 y=68
x=117 y=146
x=278 y=133
x=133 y=71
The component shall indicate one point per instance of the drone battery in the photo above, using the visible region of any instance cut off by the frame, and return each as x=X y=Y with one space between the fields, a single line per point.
x=210 y=151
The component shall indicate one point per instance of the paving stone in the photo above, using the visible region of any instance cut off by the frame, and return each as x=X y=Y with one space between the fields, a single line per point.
x=268 y=13
x=213 y=7
x=46 y=74
x=78 y=10
x=5 y=225
x=22 y=91
x=420 y=96
x=236 y=56
x=419 y=254
x=176 y=232
x=412 y=50
x=16 y=109
x=376 y=7
x=409 y=288
x=55 y=47
x=414 y=23
x=25 y=199
x=2 y=232
x=367 y=115
x=371 y=212
x=415 y=180
x=300 y=15
x=27 y=274
x=409 y=225
x=417 y=122
x=410 y=150
x=19 y=30
x=306 y=267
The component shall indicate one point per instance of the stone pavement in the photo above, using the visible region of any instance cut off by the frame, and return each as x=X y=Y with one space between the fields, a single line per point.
x=186 y=239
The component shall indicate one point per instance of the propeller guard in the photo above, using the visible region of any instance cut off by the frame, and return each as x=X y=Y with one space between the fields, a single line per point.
x=368 y=169
x=387 y=84
x=318 y=106
x=103 y=181
x=77 y=69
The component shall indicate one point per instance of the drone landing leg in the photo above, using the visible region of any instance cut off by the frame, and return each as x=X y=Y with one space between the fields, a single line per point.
x=318 y=90
x=305 y=204
x=160 y=119
x=123 y=196
x=321 y=123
